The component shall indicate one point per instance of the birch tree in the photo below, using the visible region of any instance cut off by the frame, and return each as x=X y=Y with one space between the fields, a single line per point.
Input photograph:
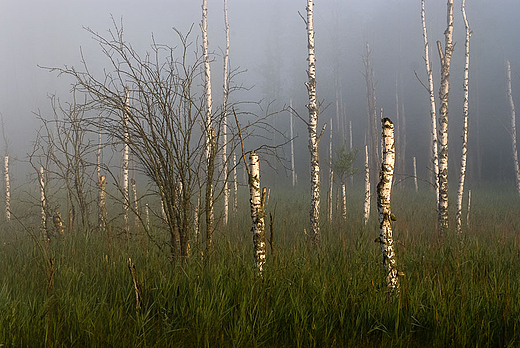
x=513 y=125
x=366 y=207
x=225 y=90
x=208 y=128
x=258 y=198
x=445 y=58
x=433 y=107
x=312 y=125
x=384 y=190
x=126 y=154
x=465 y=115
x=292 y=143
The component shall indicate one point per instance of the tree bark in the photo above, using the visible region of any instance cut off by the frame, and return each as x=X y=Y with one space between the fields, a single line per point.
x=331 y=172
x=292 y=144
x=465 y=113
x=257 y=212
x=415 y=175
x=433 y=108
x=210 y=142
x=225 y=89
x=7 y=189
x=366 y=211
x=513 y=126
x=314 y=139
x=445 y=58
x=126 y=153
x=384 y=189
x=235 y=185
x=43 y=203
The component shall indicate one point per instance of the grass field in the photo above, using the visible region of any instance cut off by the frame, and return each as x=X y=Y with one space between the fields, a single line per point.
x=455 y=292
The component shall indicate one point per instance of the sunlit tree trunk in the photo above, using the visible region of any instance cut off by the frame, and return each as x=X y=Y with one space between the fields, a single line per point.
x=7 y=188
x=126 y=153
x=366 y=211
x=445 y=58
x=513 y=126
x=344 y=201
x=102 y=203
x=433 y=107
x=384 y=190
x=224 y=119
x=257 y=212
x=210 y=142
x=314 y=139
x=465 y=113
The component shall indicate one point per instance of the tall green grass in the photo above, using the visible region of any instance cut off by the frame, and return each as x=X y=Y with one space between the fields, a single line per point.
x=456 y=291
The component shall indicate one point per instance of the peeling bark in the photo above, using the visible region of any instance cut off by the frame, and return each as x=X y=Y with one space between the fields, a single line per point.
x=384 y=190
x=257 y=212
x=465 y=114
x=445 y=58
x=314 y=139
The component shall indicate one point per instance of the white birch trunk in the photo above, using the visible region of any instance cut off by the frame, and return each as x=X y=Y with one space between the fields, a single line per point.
x=384 y=190
x=314 y=139
x=210 y=142
x=43 y=202
x=101 y=224
x=331 y=172
x=513 y=126
x=147 y=214
x=102 y=203
x=292 y=144
x=257 y=213
x=126 y=154
x=433 y=107
x=465 y=113
x=344 y=200
x=366 y=211
x=235 y=185
x=350 y=147
x=415 y=175
x=445 y=58
x=469 y=208
x=224 y=121
x=7 y=189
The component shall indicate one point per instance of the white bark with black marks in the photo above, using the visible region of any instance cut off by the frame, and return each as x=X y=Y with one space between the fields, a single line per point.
x=465 y=114
x=258 y=197
x=384 y=190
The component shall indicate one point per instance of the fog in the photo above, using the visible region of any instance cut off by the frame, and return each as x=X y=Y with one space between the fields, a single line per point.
x=268 y=41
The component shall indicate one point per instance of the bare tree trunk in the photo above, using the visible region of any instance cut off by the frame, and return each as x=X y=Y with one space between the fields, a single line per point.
x=513 y=126
x=102 y=203
x=469 y=208
x=224 y=118
x=331 y=172
x=292 y=144
x=126 y=154
x=465 y=113
x=7 y=188
x=147 y=215
x=350 y=147
x=314 y=139
x=384 y=189
x=366 y=210
x=136 y=203
x=235 y=185
x=344 y=200
x=373 y=134
x=257 y=213
x=415 y=174
x=43 y=202
x=445 y=57
x=433 y=107
x=210 y=142
x=101 y=222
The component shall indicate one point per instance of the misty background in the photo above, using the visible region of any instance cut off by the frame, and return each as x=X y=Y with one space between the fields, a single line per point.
x=268 y=41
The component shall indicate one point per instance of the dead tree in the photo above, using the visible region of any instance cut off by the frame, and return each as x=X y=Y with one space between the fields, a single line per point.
x=225 y=90
x=513 y=126
x=465 y=114
x=384 y=190
x=445 y=58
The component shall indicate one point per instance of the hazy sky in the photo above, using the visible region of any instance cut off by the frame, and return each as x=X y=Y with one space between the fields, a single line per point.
x=268 y=39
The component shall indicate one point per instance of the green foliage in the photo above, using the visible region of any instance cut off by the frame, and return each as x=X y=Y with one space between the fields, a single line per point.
x=454 y=293
x=343 y=163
